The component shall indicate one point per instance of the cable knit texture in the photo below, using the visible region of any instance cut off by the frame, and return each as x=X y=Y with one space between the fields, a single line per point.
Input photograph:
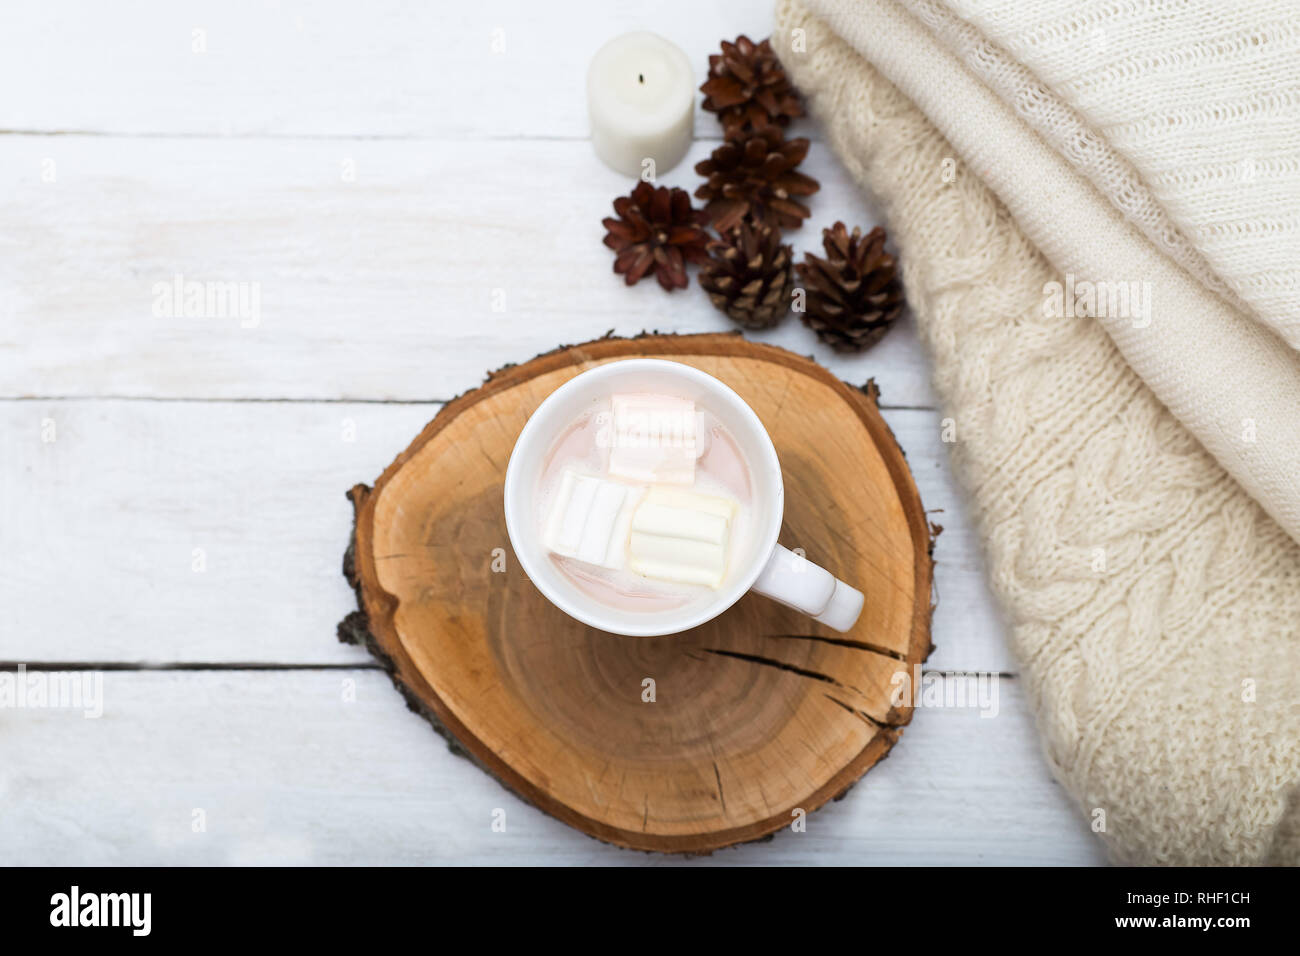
x=1153 y=605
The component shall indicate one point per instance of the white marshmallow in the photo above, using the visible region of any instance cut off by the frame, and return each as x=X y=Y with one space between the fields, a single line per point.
x=681 y=536
x=590 y=519
x=654 y=438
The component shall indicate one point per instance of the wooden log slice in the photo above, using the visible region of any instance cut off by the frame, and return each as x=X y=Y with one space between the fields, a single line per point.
x=758 y=715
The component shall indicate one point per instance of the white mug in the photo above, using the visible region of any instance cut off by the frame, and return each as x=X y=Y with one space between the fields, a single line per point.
x=767 y=567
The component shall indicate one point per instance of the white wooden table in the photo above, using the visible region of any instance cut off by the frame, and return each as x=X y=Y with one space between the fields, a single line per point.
x=173 y=488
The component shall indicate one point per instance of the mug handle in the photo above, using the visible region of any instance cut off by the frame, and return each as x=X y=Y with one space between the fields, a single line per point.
x=796 y=582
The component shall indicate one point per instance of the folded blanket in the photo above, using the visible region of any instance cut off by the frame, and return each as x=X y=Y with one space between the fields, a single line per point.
x=1134 y=476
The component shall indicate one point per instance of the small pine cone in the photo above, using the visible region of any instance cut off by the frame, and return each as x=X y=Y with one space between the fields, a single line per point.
x=748 y=88
x=854 y=294
x=757 y=180
x=656 y=233
x=749 y=275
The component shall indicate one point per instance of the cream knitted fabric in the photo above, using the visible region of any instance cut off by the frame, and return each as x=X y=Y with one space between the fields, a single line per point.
x=1224 y=374
x=1083 y=147
x=1153 y=605
x=1203 y=98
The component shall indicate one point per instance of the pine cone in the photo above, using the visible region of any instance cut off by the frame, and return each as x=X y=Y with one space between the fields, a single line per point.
x=748 y=88
x=854 y=294
x=656 y=233
x=748 y=275
x=756 y=179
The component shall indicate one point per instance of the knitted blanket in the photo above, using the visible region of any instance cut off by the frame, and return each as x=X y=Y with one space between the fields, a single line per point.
x=1133 y=460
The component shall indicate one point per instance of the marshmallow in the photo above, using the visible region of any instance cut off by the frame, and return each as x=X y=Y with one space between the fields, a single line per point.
x=654 y=439
x=590 y=519
x=681 y=536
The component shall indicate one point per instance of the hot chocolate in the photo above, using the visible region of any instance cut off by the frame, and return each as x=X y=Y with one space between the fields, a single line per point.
x=644 y=503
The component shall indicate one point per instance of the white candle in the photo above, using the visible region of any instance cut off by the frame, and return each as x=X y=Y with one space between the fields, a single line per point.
x=641 y=100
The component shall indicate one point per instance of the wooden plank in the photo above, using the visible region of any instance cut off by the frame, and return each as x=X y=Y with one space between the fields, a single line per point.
x=502 y=68
x=403 y=284
x=286 y=769
x=101 y=524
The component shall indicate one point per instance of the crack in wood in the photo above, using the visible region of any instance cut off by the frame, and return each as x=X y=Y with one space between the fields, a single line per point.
x=882 y=725
x=782 y=665
x=845 y=642
x=721 y=796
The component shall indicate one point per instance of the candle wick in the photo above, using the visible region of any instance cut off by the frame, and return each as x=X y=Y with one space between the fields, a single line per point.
x=640 y=77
